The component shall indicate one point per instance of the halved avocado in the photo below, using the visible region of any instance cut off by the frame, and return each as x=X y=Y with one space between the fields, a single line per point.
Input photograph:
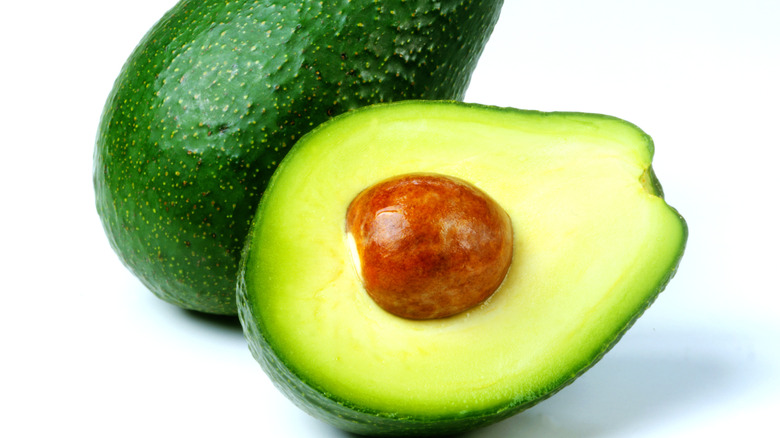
x=593 y=245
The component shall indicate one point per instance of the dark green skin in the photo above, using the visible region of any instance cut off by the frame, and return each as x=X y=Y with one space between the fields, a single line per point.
x=217 y=92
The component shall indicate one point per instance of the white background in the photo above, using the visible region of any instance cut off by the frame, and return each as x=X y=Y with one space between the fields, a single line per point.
x=87 y=351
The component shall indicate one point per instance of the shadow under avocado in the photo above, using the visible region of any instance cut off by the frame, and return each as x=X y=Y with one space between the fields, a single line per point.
x=217 y=322
x=644 y=381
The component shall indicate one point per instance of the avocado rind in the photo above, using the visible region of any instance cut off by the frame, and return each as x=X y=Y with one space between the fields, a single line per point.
x=344 y=414
x=216 y=93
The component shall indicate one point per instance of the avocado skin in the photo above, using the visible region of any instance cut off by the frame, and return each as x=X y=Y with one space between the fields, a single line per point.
x=342 y=414
x=215 y=94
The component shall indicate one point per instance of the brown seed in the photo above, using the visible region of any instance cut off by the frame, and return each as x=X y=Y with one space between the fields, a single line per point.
x=429 y=246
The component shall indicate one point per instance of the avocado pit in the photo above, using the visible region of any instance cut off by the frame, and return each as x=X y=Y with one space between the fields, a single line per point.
x=428 y=246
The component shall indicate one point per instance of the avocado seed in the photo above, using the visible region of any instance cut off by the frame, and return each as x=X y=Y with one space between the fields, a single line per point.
x=428 y=246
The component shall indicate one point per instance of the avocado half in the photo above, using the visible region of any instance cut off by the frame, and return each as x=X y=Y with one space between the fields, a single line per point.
x=594 y=244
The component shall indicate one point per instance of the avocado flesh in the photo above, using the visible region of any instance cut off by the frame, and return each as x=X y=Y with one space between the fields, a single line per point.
x=594 y=244
x=217 y=92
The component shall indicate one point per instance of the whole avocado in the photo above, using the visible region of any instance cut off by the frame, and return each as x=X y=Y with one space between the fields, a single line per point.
x=218 y=91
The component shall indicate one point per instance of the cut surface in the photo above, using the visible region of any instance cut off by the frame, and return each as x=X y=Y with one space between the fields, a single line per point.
x=594 y=244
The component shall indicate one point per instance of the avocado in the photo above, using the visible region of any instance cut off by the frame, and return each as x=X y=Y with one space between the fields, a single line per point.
x=592 y=244
x=217 y=92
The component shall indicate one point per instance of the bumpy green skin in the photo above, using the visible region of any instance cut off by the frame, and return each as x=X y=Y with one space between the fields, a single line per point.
x=217 y=92
x=356 y=419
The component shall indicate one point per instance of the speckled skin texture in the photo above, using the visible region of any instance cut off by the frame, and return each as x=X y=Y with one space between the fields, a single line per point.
x=217 y=92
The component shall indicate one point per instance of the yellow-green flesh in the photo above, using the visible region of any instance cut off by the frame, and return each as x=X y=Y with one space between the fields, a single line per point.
x=593 y=243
